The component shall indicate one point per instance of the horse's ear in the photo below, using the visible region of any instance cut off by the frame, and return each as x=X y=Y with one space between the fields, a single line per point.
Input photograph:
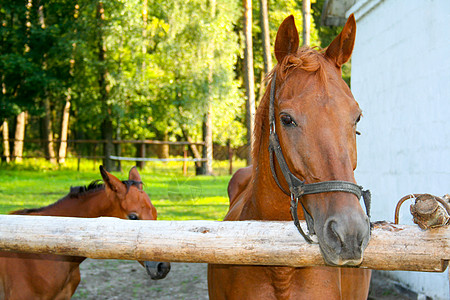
x=112 y=182
x=134 y=175
x=341 y=47
x=287 y=40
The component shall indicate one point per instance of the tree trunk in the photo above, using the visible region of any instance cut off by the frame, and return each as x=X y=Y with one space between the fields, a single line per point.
x=207 y=138
x=108 y=147
x=107 y=126
x=144 y=32
x=64 y=131
x=306 y=11
x=265 y=36
x=48 y=131
x=66 y=111
x=118 y=146
x=207 y=119
x=193 y=149
x=19 y=136
x=249 y=76
x=5 y=134
x=264 y=19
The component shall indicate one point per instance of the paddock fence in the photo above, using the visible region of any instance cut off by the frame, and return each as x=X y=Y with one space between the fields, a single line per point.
x=138 y=151
x=392 y=247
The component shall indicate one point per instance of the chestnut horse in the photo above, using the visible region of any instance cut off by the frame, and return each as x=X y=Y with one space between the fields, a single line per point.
x=305 y=135
x=45 y=276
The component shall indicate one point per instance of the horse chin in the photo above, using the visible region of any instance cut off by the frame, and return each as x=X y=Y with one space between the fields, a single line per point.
x=157 y=270
x=336 y=261
x=333 y=258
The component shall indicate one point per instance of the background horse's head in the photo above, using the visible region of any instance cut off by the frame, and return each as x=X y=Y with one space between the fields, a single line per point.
x=131 y=202
x=315 y=119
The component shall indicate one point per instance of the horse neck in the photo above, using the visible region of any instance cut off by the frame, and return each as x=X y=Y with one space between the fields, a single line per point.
x=269 y=202
x=89 y=205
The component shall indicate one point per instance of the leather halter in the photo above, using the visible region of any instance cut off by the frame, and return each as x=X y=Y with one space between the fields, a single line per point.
x=297 y=187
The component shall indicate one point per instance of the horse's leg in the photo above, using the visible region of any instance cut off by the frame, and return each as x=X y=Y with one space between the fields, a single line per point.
x=355 y=283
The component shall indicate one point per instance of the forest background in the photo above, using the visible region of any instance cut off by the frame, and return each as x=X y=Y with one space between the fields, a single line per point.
x=133 y=70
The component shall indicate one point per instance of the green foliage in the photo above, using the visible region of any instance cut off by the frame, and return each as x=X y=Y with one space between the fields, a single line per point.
x=158 y=73
x=196 y=51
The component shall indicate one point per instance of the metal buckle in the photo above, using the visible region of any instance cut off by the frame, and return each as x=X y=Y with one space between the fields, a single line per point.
x=272 y=127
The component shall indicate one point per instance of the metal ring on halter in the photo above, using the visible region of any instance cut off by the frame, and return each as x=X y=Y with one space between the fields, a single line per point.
x=272 y=127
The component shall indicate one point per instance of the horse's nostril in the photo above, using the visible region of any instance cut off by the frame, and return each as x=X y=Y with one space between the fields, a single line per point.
x=163 y=268
x=332 y=235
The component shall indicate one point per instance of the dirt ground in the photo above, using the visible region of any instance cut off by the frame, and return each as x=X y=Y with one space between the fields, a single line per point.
x=114 y=279
x=127 y=280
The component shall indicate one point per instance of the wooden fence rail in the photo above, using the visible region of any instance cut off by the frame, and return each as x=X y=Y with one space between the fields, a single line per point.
x=147 y=142
x=392 y=247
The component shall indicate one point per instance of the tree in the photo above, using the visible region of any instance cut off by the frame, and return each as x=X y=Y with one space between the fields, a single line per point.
x=204 y=51
x=47 y=120
x=265 y=35
x=136 y=69
x=306 y=11
x=66 y=110
x=5 y=134
x=249 y=80
x=19 y=136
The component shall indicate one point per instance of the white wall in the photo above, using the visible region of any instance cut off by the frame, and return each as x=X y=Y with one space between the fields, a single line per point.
x=401 y=79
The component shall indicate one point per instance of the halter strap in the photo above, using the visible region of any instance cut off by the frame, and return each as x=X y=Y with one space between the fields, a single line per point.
x=297 y=187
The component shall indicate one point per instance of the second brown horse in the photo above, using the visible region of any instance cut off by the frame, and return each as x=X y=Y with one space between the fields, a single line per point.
x=45 y=276
x=315 y=120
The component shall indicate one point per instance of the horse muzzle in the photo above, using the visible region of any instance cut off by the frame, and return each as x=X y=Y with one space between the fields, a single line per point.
x=343 y=240
x=157 y=270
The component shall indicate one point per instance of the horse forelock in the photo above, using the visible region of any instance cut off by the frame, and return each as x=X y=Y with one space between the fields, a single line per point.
x=306 y=58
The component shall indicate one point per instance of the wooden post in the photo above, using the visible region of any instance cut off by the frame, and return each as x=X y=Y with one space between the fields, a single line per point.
x=141 y=164
x=95 y=154
x=392 y=247
x=184 y=161
x=230 y=157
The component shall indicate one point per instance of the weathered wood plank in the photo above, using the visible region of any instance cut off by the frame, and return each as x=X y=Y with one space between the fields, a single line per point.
x=398 y=247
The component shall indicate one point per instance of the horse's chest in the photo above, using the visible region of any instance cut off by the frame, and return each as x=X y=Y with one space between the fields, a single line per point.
x=282 y=281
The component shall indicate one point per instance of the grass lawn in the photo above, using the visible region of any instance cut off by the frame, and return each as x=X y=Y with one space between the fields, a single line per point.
x=176 y=197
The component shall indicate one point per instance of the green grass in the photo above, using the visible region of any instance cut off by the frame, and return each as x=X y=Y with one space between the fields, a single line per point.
x=176 y=197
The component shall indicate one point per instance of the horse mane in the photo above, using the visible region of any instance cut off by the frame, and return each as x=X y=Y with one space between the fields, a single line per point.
x=77 y=192
x=307 y=59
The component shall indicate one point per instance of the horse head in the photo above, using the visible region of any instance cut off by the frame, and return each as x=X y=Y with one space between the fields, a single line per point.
x=314 y=120
x=131 y=202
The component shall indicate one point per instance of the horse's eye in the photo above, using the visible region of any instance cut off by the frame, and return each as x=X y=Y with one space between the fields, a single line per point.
x=133 y=216
x=287 y=120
